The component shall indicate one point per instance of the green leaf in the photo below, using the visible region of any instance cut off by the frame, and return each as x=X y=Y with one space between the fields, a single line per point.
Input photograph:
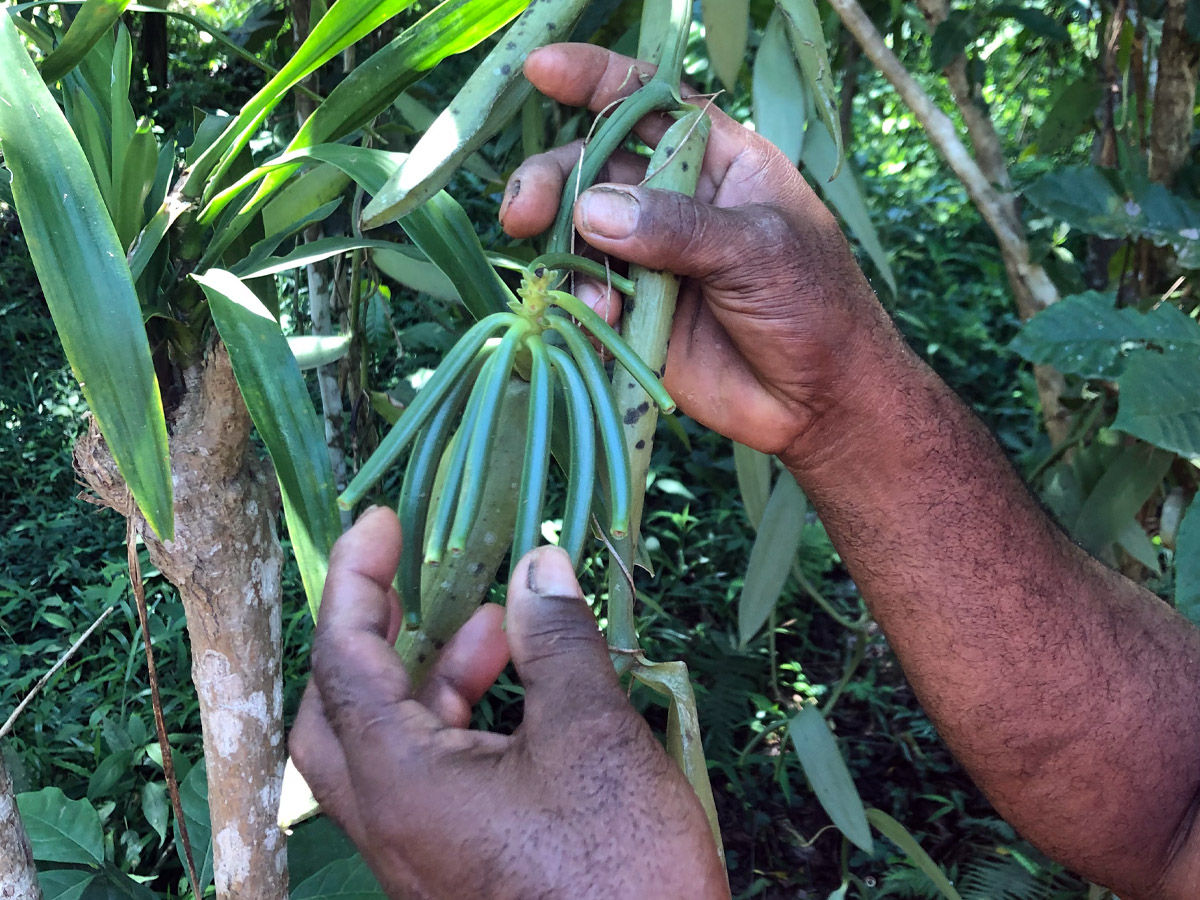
x=841 y=189
x=1087 y=335
x=451 y=27
x=830 y=779
x=1187 y=564
x=1035 y=20
x=60 y=829
x=193 y=797
x=315 y=350
x=1121 y=491
x=898 y=835
x=807 y=37
x=780 y=110
x=489 y=99
x=94 y=19
x=305 y=254
x=1072 y=111
x=683 y=731
x=726 y=31
x=279 y=404
x=156 y=808
x=347 y=22
x=1160 y=401
x=1084 y=199
x=778 y=540
x=82 y=270
x=303 y=195
x=342 y=879
x=64 y=884
x=754 y=480
x=951 y=38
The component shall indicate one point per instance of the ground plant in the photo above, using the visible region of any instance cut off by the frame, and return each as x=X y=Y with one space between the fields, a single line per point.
x=1019 y=179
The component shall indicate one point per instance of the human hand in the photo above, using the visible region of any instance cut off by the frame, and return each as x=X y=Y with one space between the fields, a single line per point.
x=581 y=802
x=775 y=319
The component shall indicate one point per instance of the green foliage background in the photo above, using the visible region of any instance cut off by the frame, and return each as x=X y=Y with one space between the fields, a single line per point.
x=90 y=732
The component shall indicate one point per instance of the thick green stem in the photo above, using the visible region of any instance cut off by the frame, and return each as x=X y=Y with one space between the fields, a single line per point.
x=646 y=325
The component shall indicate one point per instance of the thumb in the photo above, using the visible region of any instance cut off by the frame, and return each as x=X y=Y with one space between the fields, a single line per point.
x=669 y=230
x=559 y=653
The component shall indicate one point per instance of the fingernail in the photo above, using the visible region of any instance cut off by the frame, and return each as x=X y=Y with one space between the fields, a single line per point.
x=510 y=194
x=609 y=212
x=593 y=296
x=551 y=575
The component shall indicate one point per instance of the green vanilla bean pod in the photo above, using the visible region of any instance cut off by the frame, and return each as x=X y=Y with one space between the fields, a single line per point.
x=475 y=472
x=656 y=96
x=538 y=426
x=614 y=344
x=417 y=489
x=452 y=591
x=427 y=400
x=646 y=322
x=448 y=481
x=608 y=421
x=581 y=467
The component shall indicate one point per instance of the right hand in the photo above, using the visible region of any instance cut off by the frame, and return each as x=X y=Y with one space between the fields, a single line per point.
x=775 y=320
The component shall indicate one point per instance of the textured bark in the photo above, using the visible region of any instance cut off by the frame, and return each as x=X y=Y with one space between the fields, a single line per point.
x=1032 y=288
x=1174 y=95
x=18 y=878
x=226 y=562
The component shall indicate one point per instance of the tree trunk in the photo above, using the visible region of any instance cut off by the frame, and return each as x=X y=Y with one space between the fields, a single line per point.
x=1174 y=95
x=226 y=562
x=18 y=878
x=1032 y=288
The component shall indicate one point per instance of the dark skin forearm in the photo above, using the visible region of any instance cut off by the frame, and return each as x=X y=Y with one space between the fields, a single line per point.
x=1068 y=692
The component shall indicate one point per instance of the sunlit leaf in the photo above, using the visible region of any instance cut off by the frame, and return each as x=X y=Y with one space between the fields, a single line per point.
x=827 y=774
x=93 y=20
x=82 y=270
x=282 y=411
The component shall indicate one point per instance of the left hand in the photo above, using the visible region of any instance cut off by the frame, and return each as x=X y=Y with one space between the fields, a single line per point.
x=581 y=802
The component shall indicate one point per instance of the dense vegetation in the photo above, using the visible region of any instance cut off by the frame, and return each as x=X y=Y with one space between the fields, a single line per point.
x=90 y=731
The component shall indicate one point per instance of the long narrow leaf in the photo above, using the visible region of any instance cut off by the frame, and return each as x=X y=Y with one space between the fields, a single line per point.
x=898 y=835
x=492 y=95
x=82 y=270
x=775 y=547
x=827 y=773
x=346 y=22
x=271 y=384
x=93 y=20
x=452 y=27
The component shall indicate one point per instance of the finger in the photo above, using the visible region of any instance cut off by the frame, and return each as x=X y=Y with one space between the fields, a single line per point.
x=318 y=756
x=591 y=76
x=363 y=685
x=532 y=194
x=671 y=231
x=468 y=665
x=557 y=649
